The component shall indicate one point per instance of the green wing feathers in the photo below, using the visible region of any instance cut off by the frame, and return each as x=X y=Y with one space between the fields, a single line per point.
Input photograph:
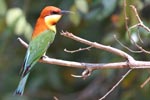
x=36 y=49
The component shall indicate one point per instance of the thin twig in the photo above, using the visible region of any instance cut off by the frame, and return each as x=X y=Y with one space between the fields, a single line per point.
x=145 y=82
x=76 y=76
x=126 y=24
x=137 y=25
x=86 y=73
x=80 y=49
x=114 y=87
x=126 y=19
x=55 y=98
x=126 y=46
x=22 y=42
x=138 y=33
x=138 y=46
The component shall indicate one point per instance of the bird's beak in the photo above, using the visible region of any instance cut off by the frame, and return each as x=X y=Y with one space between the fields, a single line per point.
x=63 y=12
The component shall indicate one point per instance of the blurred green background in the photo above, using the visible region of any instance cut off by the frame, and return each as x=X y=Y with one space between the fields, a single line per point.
x=94 y=20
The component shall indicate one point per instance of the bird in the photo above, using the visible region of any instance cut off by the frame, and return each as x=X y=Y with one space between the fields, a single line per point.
x=42 y=37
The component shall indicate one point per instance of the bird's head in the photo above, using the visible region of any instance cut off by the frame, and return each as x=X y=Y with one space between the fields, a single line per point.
x=51 y=16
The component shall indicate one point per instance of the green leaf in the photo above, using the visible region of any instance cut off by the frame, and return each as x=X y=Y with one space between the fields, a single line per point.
x=2 y=7
x=13 y=15
x=75 y=18
x=20 y=25
x=16 y=20
x=28 y=31
x=82 y=5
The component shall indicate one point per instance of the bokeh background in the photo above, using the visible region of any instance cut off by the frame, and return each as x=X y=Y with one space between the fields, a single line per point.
x=94 y=20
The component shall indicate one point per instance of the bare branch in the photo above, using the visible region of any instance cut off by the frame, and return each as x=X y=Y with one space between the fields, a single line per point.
x=93 y=66
x=138 y=46
x=139 y=19
x=134 y=26
x=89 y=67
x=99 y=46
x=136 y=14
x=137 y=25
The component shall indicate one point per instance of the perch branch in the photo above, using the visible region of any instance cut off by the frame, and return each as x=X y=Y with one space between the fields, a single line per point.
x=89 y=67
x=93 y=66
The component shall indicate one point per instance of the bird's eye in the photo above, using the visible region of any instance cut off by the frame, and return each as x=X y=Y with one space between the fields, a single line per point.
x=54 y=12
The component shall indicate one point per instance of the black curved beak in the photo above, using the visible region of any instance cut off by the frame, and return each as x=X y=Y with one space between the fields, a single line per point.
x=63 y=12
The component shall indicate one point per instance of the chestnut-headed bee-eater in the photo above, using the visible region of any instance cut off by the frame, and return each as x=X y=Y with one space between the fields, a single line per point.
x=42 y=36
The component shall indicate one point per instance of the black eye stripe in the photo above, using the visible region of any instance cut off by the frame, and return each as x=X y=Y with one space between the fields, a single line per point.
x=54 y=12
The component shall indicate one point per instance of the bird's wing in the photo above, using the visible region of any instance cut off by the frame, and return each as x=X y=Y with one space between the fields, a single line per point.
x=36 y=49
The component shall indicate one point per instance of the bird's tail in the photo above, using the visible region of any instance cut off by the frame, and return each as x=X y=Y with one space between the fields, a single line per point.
x=21 y=86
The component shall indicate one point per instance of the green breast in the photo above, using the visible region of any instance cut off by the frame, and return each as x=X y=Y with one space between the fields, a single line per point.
x=38 y=46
